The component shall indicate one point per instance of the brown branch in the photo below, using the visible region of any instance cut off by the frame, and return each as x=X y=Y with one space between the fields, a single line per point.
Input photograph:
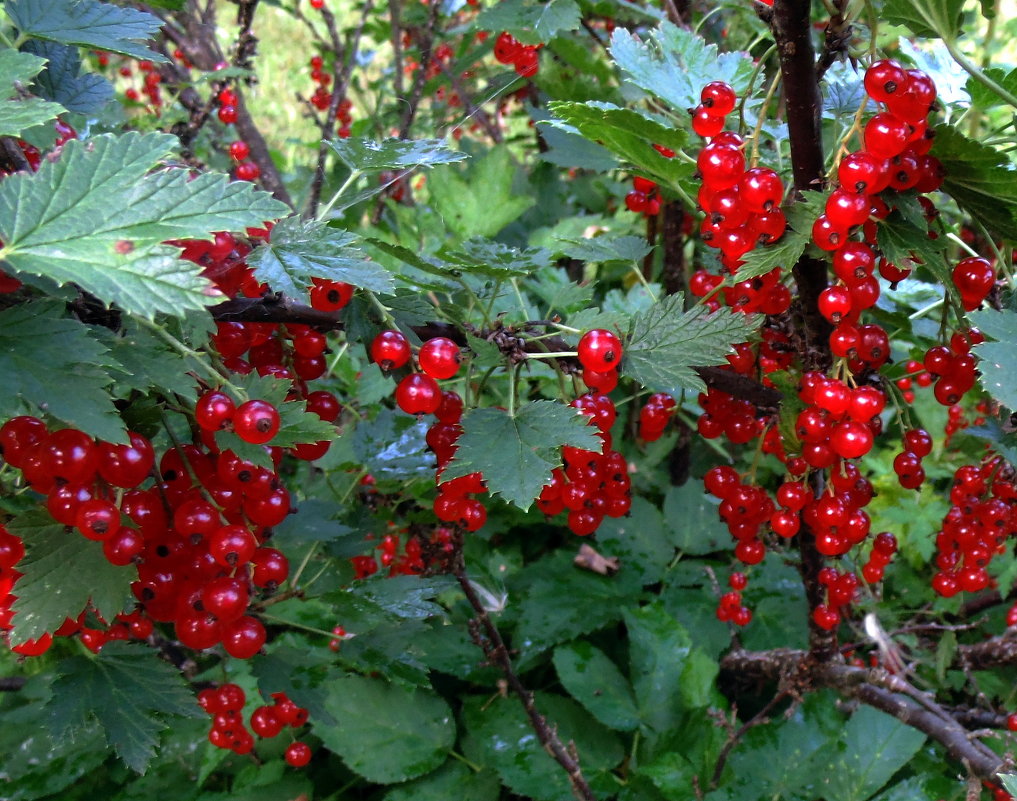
x=12 y=157
x=342 y=69
x=733 y=739
x=673 y=243
x=995 y=652
x=495 y=649
x=877 y=688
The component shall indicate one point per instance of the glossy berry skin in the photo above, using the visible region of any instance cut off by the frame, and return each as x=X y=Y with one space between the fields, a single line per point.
x=126 y=466
x=227 y=115
x=390 y=350
x=256 y=421
x=298 y=754
x=418 y=394
x=244 y=637
x=600 y=350
x=718 y=98
x=239 y=150
x=884 y=79
x=974 y=278
x=213 y=410
x=439 y=358
x=886 y=135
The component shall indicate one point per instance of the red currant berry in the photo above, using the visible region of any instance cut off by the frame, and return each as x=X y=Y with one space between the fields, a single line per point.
x=390 y=350
x=439 y=358
x=256 y=421
x=600 y=350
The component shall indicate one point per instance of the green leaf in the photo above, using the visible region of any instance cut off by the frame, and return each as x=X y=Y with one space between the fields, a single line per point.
x=926 y=18
x=997 y=364
x=128 y=690
x=906 y=245
x=49 y=592
x=876 y=746
x=451 y=780
x=604 y=248
x=501 y=736
x=629 y=134
x=368 y=156
x=97 y=215
x=87 y=23
x=482 y=203
x=667 y=342
x=980 y=179
x=692 y=518
x=783 y=253
x=674 y=64
x=387 y=733
x=41 y=354
x=640 y=541
x=479 y=256
x=303 y=249
x=984 y=97
x=1009 y=781
x=18 y=69
x=531 y=22
x=528 y=447
x=597 y=683
x=147 y=362
x=658 y=648
x=393 y=446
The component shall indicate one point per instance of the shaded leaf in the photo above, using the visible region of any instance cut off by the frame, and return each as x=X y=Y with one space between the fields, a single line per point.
x=369 y=156
x=87 y=23
x=62 y=81
x=597 y=683
x=451 y=780
x=605 y=248
x=666 y=342
x=783 y=253
x=128 y=689
x=658 y=648
x=40 y=352
x=926 y=18
x=528 y=447
x=997 y=364
x=399 y=733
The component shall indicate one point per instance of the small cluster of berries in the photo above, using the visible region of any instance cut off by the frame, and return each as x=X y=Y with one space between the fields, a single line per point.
x=731 y=608
x=592 y=485
x=149 y=83
x=239 y=150
x=322 y=97
x=983 y=516
x=225 y=704
x=644 y=198
x=525 y=58
x=954 y=367
x=840 y=591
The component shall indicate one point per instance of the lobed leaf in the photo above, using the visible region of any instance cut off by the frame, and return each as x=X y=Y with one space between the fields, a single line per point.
x=666 y=343
x=531 y=22
x=516 y=453
x=62 y=81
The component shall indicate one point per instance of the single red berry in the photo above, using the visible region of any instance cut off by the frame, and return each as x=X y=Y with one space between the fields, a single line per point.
x=718 y=98
x=439 y=357
x=256 y=421
x=214 y=410
x=298 y=754
x=239 y=150
x=227 y=115
x=390 y=350
x=418 y=394
x=600 y=350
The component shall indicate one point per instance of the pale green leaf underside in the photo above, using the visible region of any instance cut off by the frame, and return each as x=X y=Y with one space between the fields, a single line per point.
x=997 y=359
x=20 y=115
x=531 y=22
x=368 y=156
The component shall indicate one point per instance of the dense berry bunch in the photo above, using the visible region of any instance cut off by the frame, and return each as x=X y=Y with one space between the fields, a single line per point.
x=225 y=704
x=525 y=58
x=644 y=198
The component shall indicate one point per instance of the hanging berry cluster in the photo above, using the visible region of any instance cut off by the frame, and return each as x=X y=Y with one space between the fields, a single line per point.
x=225 y=704
x=525 y=58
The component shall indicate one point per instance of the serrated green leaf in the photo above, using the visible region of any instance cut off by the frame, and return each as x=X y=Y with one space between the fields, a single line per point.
x=128 y=690
x=605 y=248
x=147 y=362
x=87 y=23
x=96 y=216
x=980 y=179
x=501 y=736
x=18 y=68
x=658 y=648
x=255 y=454
x=297 y=426
x=531 y=22
x=762 y=259
x=905 y=245
x=481 y=256
x=926 y=18
x=674 y=64
x=667 y=342
x=946 y=650
x=997 y=362
x=1009 y=781
x=528 y=449
x=20 y=115
x=300 y=250
x=49 y=592
x=40 y=352
x=693 y=521
x=984 y=97
x=393 y=446
x=597 y=683
x=876 y=746
x=629 y=134
x=399 y=733
x=451 y=780
x=368 y=156
x=482 y=202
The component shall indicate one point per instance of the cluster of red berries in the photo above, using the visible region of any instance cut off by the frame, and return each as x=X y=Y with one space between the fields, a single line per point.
x=884 y=546
x=225 y=704
x=456 y=501
x=417 y=553
x=974 y=277
x=525 y=58
x=418 y=392
x=644 y=198
x=840 y=591
x=239 y=150
x=149 y=83
x=908 y=463
x=954 y=367
x=655 y=415
x=744 y=508
x=592 y=485
x=839 y=422
x=982 y=517
x=731 y=608
x=322 y=97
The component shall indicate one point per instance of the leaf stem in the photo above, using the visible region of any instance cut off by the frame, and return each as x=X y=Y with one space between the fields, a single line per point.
x=181 y=348
x=976 y=73
x=555 y=354
x=350 y=180
x=472 y=766
x=292 y=624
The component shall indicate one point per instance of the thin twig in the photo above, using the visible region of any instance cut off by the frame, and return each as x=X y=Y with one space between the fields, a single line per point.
x=736 y=736
x=495 y=649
